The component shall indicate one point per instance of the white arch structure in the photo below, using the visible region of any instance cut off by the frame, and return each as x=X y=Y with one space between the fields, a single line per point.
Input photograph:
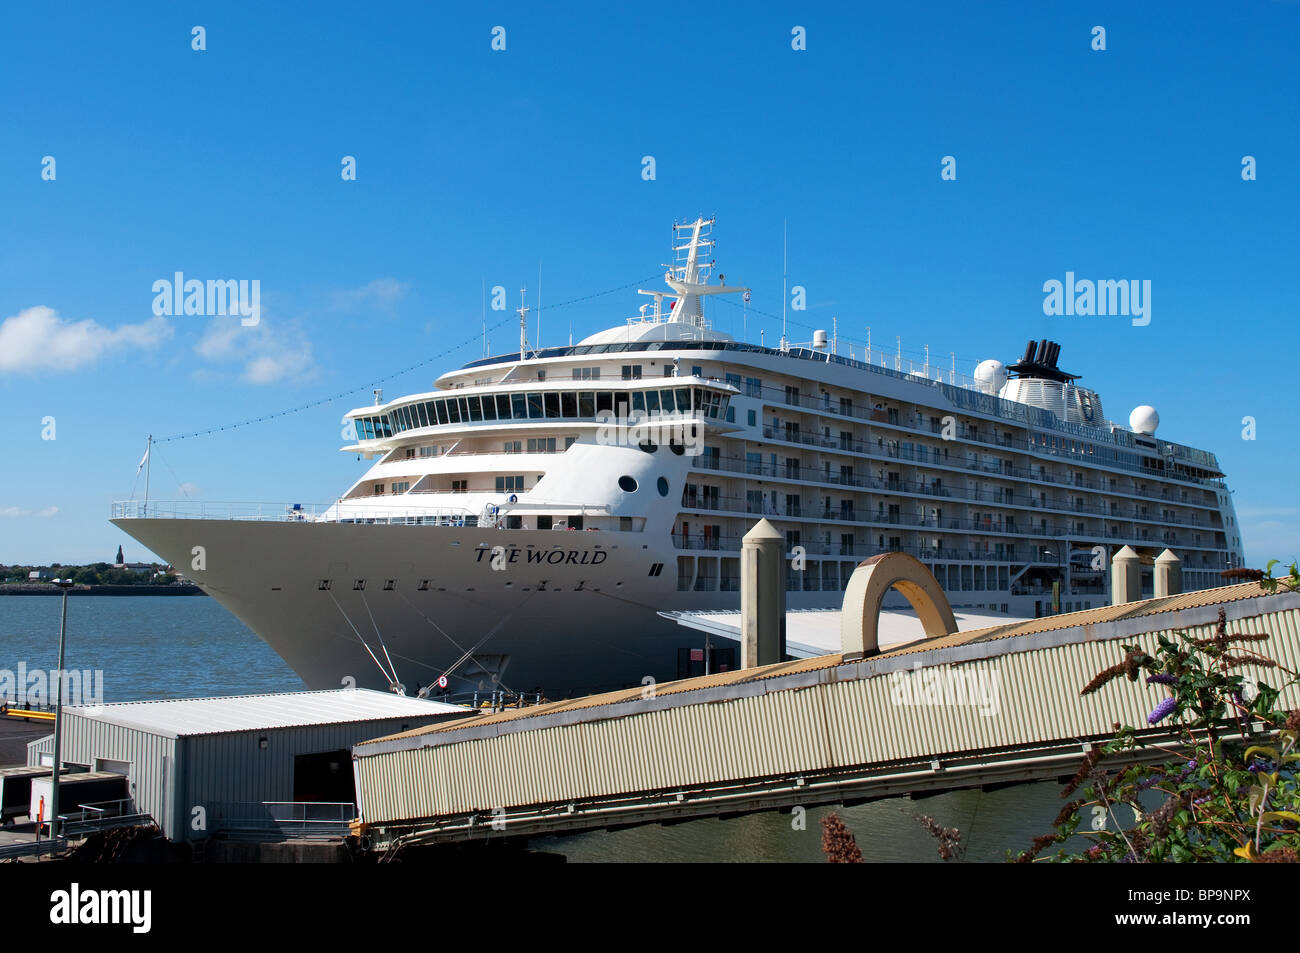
x=868 y=586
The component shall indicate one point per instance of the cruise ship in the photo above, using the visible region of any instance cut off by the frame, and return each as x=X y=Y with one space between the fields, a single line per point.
x=522 y=525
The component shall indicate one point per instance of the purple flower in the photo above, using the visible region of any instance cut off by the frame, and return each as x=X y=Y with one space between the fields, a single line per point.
x=1161 y=680
x=1162 y=711
x=1202 y=800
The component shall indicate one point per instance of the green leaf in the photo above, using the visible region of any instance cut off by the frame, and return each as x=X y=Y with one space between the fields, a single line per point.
x=1271 y=752
x=1268 y=816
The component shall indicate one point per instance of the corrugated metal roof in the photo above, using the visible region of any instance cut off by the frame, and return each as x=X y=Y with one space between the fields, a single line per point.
x=737 y=731
x=180 y=717
x=1069 y=620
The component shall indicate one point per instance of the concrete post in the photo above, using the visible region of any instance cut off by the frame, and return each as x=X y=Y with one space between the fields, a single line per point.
x=1168 y=579
x=1125 y=576
x=762 y=596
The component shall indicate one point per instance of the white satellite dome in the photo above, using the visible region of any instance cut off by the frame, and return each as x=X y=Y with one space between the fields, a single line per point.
x=991 y=375
x=1144 y=419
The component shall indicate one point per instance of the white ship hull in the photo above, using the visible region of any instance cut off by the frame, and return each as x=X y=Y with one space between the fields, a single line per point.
x=571 y=614
x=579 y=622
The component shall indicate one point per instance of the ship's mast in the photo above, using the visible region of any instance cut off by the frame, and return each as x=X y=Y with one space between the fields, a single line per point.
x=688 y=276
x=523 y=324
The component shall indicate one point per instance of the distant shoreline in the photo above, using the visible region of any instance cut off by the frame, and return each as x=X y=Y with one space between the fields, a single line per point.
x=45 y=589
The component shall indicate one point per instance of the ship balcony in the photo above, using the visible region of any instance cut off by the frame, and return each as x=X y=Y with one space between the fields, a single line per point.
x=842 y=408
x=804 y=475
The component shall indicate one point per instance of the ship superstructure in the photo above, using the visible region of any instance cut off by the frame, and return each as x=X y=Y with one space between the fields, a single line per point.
x=525 y=520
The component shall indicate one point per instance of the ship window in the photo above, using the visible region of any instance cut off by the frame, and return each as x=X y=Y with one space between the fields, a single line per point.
x=534 y=406
x=424 y=418
x=638 y=401
x=408 y=418
x=489 y=408
x=503 y=406
x=604 y=402
x=666 y=403
x=587 y=404
x=627 y=484
x=652 y=401
x=683 y=400
x=475 y=409
x=552 y=403
x=569 y=404
x=662 y=485
x=438 y=412
x=464 y=409
x=519 y=402
x=453 y=410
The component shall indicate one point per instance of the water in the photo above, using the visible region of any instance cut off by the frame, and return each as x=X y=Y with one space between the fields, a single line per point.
x=176 y=647
x=146 y=646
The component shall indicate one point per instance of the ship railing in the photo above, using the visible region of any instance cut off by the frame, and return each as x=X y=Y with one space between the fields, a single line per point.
x=780 y=471
x=993 y=439
x=923 y=457
x=284 y=512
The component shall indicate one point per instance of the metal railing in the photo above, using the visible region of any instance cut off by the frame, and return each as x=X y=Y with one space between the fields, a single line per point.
x=285 y=819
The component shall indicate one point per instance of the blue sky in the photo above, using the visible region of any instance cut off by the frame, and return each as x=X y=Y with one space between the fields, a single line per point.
x=474 y=165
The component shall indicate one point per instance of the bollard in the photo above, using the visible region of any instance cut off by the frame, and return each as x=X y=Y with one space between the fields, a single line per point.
x=1168 y=580
x=1125 y=577
x=762 y=596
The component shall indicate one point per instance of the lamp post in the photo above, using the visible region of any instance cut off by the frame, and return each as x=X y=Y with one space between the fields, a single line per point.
x=65 y=585
x=1056 y=584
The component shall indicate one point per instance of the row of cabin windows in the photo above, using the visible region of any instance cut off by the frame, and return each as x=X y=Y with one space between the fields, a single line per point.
x=540 y=406
x=536 y=445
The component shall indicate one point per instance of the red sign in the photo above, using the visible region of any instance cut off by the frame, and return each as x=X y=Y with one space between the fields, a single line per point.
x=697 y=655
x=442 y=681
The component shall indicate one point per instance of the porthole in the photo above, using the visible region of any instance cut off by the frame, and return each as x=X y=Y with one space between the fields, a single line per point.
x=648 y=446
x=663 y=486
x=627 y=484
x=677 y=448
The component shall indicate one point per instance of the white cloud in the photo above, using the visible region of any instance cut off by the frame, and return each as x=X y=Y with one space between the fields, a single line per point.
x=16 y=512
x=37 y=339
x=384 y=292
x=268 y=354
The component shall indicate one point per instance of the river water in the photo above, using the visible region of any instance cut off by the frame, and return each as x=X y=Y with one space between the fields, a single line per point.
x=156 y=647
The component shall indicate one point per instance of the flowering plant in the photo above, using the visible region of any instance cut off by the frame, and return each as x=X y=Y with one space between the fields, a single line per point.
x=1227 y=790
